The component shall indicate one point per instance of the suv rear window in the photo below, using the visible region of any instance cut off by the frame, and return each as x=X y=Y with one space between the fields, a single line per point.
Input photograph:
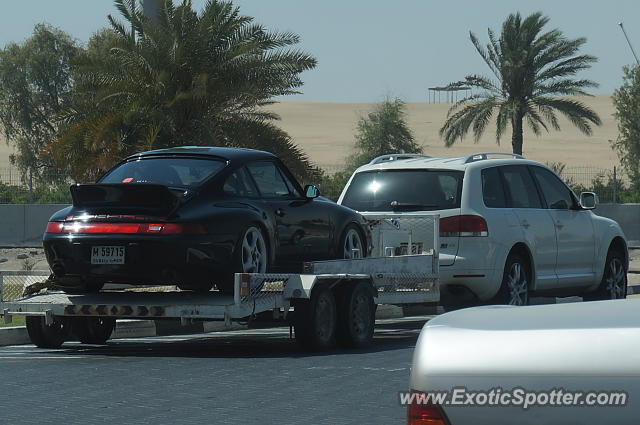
x=404 y=190
x=173 y=171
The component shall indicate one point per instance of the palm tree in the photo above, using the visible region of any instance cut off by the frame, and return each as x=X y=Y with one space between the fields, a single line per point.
x=531 y=69
x=187 y=77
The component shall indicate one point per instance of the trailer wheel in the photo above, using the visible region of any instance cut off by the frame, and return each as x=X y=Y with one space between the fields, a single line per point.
x=47 y=336
x=94 y=330
x=315 y=321
x=356 y=316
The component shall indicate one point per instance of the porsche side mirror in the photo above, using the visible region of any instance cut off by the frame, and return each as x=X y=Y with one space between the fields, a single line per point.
x=588 y=200
x=310 y=191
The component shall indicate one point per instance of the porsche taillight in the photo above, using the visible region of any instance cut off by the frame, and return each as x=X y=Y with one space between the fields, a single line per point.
x=78 y=227
x=463 y=225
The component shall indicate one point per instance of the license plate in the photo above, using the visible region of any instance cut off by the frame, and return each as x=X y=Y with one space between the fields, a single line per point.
x=107 y=255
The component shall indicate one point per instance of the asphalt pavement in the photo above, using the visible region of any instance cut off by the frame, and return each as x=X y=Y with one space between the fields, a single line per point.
x=258 y=376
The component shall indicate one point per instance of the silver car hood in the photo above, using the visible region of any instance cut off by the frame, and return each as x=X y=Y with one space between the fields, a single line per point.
x=591 y=346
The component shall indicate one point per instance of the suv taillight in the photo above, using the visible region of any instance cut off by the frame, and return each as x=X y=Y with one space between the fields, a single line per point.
x=463 y=225
x=423 y=414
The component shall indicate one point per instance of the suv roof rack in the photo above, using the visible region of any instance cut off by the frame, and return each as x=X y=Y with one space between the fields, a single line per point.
x=485 y=155
x=396 y=157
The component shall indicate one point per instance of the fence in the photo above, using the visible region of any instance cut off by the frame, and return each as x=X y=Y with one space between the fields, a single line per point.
x=609 y=184
x=12 y=283
x=11 y=176
x=15 y=188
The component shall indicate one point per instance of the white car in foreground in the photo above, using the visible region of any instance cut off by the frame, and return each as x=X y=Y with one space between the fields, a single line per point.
x=500 y=365
x=509 y=227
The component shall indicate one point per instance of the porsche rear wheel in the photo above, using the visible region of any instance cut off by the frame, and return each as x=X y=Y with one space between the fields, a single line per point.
x=351 y=244
x=251 y=256
x=253 y=252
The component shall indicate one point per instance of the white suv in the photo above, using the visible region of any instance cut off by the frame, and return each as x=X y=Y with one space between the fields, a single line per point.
x=509 y=227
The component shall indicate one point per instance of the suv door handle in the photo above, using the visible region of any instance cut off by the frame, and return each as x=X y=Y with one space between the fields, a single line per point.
x=280 y=212
x=559 y=225
x=525 y=224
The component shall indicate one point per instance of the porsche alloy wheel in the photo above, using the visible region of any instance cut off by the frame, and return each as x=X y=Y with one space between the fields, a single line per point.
x=352 y=246
x=254 y=252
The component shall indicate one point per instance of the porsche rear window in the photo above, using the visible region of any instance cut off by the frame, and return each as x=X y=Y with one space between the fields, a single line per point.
x=186 y=172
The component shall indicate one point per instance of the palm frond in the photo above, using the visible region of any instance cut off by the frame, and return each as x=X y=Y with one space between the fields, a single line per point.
x=563 y=87
x=474 y=115
x=490 y=59
x=576 y=112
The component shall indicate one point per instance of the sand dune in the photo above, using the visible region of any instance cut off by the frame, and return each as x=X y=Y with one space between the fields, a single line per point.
x=325 y=131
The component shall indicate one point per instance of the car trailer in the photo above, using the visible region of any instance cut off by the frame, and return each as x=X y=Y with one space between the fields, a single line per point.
x=331 y=302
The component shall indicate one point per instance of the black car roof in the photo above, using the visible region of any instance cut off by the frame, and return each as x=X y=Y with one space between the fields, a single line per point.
x=230 y=154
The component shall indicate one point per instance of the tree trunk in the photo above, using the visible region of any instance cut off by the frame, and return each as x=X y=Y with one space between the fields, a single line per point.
x=516 y=136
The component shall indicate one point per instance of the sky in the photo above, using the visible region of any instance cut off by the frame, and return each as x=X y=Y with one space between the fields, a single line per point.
x=371 y=49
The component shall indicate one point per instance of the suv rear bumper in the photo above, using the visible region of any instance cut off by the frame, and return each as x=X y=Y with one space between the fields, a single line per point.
x=483 y=283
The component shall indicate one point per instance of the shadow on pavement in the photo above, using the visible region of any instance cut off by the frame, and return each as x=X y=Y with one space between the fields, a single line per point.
x=265 y=343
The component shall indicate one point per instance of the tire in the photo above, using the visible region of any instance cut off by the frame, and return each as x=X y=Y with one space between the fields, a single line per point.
x=94 y=330
x=352 y=244
x=614 y=279
x=315 y=321
x=47 y=336
x=516 y=281
x=356 y=316
x=251 y=256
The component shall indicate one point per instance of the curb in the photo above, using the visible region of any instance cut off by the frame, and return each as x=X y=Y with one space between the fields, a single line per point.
x=15 y=335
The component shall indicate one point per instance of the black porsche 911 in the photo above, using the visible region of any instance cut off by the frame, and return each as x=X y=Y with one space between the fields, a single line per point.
x=194 y=216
